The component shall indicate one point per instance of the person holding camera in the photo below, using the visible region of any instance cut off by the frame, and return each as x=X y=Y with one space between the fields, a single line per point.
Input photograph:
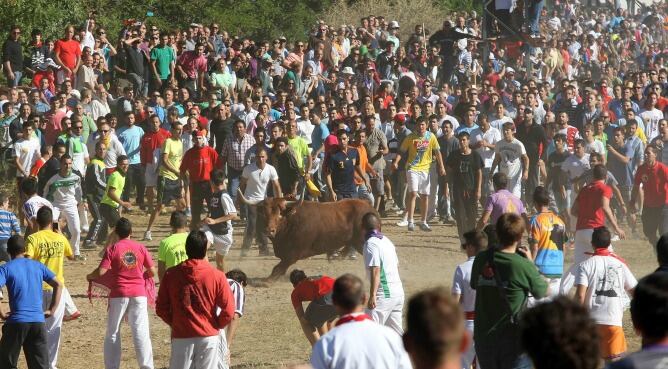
x=503 y=276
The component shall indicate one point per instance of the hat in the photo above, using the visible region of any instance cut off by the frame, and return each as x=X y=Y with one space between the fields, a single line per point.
x=400 y=118
x=282 y=38
x=348 y=70
x=510 y=70
x=393 y=24
x=200 y=133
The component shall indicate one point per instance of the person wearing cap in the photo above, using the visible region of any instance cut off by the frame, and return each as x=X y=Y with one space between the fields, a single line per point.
x=392 y=30
x=197 y=164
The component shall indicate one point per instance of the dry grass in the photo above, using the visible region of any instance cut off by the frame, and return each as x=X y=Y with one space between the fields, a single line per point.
x=406 y=12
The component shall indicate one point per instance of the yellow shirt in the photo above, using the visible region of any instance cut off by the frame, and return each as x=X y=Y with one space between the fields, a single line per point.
x=174 y=151
x=420 y=149
x=51 y=249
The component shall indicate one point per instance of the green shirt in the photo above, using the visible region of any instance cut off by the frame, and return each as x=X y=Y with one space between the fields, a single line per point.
x=164 y=57
x=520 y=276
x=116 y=181
x=172 y=250
x=300 y=147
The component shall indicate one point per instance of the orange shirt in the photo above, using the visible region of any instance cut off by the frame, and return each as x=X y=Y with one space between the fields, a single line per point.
x=364 y=163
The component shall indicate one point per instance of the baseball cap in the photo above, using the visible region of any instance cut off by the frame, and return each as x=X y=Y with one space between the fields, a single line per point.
x=393 y=24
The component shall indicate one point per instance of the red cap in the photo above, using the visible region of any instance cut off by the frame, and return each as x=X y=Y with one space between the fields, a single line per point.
x=400 y=118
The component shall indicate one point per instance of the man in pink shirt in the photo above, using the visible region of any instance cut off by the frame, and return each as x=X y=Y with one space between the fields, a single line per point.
x=500 y=202
x=192 y=66
x=127 y=271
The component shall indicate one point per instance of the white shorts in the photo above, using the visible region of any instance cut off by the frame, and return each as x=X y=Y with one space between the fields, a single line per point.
x=388 y=312
x=222 y=242
x=151 y=175
x=417 y=181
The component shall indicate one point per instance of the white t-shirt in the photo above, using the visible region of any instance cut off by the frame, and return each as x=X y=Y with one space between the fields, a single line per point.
x=258 y=180
x=498 y=123
x=461 y=285
x=596 y=146
x=304 y=130
x=574 y=166
x=360 y=345
x=28 y=152
x=608 y=280
x=382 y=253
x=33 y=204
x=511 y=155
x=652 y=118
x=492 y=136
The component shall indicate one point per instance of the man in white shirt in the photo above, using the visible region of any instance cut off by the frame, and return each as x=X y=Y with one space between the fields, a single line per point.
x=474 y=242
x=64 y=192
x=255 y=179
x=485 y=138
x=386 y=292
x=357 y=341
x=601 y=285
x=511 y=158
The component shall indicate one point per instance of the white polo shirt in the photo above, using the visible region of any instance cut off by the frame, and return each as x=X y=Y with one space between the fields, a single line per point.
x=360 y=345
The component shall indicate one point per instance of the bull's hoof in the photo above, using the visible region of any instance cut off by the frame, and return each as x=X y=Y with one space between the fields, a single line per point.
x=259 y=282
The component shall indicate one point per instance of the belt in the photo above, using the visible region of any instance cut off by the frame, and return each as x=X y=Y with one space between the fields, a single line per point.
x=469 y=315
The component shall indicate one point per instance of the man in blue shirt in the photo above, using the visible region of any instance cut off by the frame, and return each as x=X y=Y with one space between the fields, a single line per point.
x=24 y=324
x=341 y=168
x=130 y=136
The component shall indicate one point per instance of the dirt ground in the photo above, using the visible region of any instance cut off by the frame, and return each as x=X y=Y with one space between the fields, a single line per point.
x=269 y=335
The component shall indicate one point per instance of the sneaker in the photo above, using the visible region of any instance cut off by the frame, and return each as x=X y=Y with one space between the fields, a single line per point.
x=74 y=316
x=352 y=255
x=615 y=238
x=89 y=244
x=147 y=236
x=402 y=223
x=448 y=219
x=411 y=226
x=425 y=227
x=79 y=258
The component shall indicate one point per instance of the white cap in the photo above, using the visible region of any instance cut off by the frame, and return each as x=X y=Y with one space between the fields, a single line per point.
x=348 y=70
x=393 y=24
x=510 y=70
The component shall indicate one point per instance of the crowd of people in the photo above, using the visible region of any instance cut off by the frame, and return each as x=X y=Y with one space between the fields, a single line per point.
x=547 y=132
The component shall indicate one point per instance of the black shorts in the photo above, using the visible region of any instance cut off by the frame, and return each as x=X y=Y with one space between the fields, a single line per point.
x=168 y=190
x=320 y=311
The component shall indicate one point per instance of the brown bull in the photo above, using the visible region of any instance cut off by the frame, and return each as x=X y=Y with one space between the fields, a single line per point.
x=301 y=229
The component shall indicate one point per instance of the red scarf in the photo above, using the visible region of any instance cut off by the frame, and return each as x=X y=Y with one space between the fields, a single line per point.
x=606 y=252
x=354 y=317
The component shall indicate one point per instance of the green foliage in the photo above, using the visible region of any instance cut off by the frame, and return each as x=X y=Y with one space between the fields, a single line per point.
x=262 y=19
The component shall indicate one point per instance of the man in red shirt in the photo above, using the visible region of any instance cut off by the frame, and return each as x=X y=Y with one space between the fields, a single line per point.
x=195 y=300
x=67 y=54
x=320 y=313
x=149 y=156
x=654 y=178
x=592 y=207
x=198 y=163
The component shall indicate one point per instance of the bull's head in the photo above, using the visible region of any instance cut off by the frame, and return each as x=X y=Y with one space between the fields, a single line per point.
x=271 y=211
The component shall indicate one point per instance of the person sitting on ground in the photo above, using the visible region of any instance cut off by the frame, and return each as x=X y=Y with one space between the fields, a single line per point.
x=435 y=336
x=560 y=334
x=320 y=313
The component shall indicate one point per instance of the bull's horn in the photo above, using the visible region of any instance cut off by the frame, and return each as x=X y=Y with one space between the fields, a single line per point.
x=245 y=200
x=298 y=203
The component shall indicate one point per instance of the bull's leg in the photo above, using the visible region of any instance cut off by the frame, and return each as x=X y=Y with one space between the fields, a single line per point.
x=279 y=270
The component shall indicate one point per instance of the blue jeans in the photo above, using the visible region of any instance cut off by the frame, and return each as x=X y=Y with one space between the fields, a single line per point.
x=233 y=181
x=534 y=15
x=17 y=79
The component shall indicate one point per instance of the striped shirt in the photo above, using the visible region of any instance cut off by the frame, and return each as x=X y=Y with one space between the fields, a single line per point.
x=239 y=296
x=8 y=224
x=33 y=204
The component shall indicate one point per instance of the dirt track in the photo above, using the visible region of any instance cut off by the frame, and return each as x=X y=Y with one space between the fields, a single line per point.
x=269 y=335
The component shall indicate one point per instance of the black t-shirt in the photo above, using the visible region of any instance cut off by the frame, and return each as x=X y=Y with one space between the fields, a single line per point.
x=532 y=137
x=342 y=166
x=554 y=168
x=462 y=169
x=220 y=130
x=12 y=52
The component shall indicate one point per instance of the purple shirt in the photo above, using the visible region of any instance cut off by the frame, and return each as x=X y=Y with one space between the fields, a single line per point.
x=501 y=202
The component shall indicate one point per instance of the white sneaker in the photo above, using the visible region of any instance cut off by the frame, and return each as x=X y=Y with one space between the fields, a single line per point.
x=411 y=226
x=147 y=236
x=425 y=227
x=402 y=223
